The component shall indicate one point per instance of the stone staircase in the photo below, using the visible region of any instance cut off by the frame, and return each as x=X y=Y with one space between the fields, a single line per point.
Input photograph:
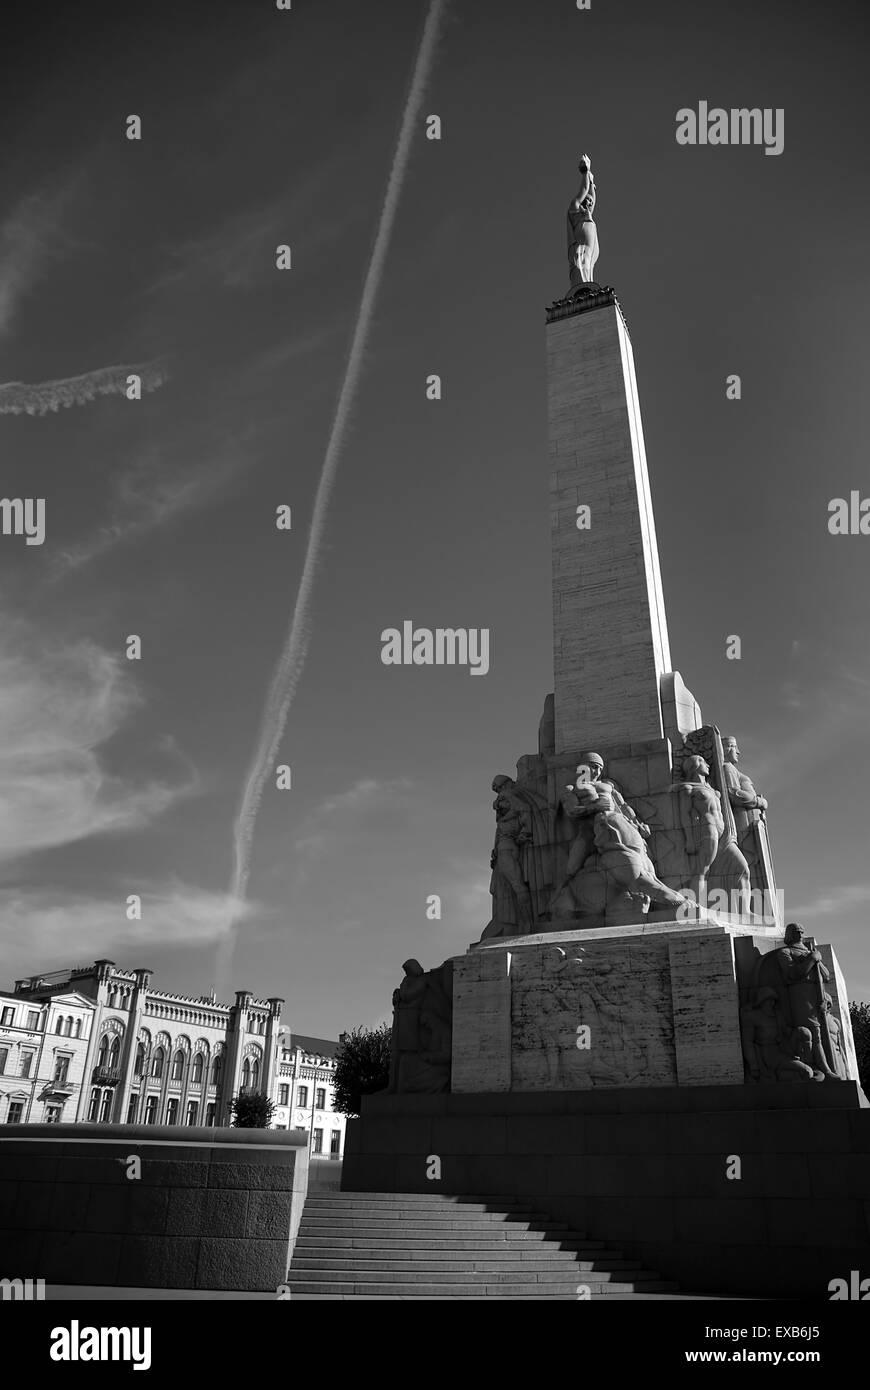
x=403 y=1245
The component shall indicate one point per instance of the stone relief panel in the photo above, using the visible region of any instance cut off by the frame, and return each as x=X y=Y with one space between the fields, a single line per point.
x=586 y=1017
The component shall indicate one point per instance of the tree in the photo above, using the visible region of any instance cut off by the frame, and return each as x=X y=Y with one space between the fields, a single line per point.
x=251 y=1111
x=860 y=1016
x=362 y=1066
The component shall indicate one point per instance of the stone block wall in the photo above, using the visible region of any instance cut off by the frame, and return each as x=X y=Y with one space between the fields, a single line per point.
x=647 y=1172
x=213 y=1209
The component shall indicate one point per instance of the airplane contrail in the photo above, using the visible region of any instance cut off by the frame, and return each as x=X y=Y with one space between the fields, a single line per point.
x=16 y=397
x=292 y=659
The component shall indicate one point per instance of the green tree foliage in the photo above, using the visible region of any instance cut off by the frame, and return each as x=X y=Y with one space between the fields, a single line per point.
x=860 y=1016
x=252 y=1112
x=362 y=1066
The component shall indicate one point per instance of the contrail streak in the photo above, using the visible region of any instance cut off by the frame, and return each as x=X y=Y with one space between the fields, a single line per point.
x=292 y=659
x=16 y=397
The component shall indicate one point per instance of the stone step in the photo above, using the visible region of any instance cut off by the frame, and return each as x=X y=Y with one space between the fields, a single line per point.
x=427 y=1223
x=409 y=1199
x=397 y=1258
x=489 y=1289
x=378 y=1240
x=460 y=1260
x=462 y=1271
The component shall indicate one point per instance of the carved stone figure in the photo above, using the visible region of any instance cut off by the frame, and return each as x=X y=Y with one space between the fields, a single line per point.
x=835 y=1033
x=772 y=1050
x=519 y=872
x=700 y=816
x=422 y=1029
x=796 y=973
x=709 y=846
x=608 y=865
x=750 y=814
x=582 y=232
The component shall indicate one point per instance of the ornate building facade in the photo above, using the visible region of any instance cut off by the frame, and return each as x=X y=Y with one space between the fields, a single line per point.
x=98 y=1043
x=141 y=1056
x=304 y=1092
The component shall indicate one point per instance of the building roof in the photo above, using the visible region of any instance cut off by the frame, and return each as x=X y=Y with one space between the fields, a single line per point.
x=317 y=1047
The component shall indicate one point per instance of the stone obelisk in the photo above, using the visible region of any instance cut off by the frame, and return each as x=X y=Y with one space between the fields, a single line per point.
x=610 y=637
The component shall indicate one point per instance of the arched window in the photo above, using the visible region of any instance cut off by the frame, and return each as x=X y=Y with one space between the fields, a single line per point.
x=197 y=1069
x=178 y=1066
x=157 y=1063
x=246 y=1073
x=103 y=1053
x=140 y=1059
x=255 y=1073
x=216 y=1071
x=78 y=1028
x=115 y=1053
x=68 y=1026
x=113 y=999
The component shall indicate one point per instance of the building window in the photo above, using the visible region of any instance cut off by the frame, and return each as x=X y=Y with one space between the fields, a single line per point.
x=140 y=1060
x=132 y=1105
x=103 y=1050
x=172 y=1111
x=115 y=1054
x=178 y=1067
x=53 y=1114
x=4 y=1053
x=320 y=1101
x=255 y=1074
x=113 y=999
x=151 y=1110
x=157 y=1064
x=318 y=1141
x=335 y=1141
x=94 y=1106
x=283 y=1095
x=192 y=1111
x=16 y=1112
x=197 y=1069
x=26 y=1062
x=8 y=1015
x=33 y=1020
x=302 y=1095
x=61 y=1069
x=78 y=1028
x=106 y=1111
x=216 y=1071
x=246 y=1073
x=209 y=1114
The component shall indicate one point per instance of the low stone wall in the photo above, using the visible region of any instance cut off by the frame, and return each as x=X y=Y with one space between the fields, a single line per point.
x=647 y=1171
x=211 y=1209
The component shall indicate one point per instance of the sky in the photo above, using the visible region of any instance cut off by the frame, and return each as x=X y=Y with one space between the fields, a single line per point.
x=263 y=128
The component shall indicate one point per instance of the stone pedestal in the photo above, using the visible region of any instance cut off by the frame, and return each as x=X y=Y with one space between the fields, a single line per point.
x=613 y=1007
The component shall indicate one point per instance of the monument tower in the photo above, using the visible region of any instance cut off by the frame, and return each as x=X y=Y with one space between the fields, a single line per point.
x=636 y=942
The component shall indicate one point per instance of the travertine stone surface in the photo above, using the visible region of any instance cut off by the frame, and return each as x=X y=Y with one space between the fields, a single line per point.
x=482 y=1001
x=707 y=1048
x=610 y=633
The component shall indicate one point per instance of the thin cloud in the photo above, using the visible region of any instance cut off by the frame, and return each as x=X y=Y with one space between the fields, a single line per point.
x=154 y=491
x=341 y=814
x=59 y=703
x=19 y=398
x=41 y=929
x=31 y=238
x=837 y=900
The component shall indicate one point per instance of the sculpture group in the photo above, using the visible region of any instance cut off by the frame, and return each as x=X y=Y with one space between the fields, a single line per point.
x=586 y=853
